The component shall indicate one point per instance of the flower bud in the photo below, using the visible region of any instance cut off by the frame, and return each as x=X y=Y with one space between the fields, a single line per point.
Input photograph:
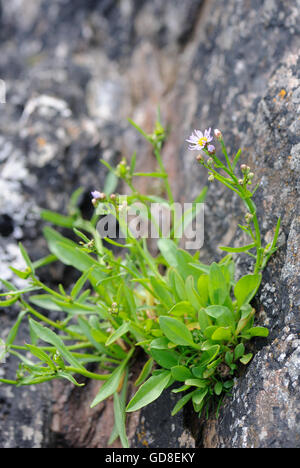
x=200 y=158
x=96 y=195
x=241 y=181
x=248 y=217
x=211 y=178
x=243 y=168
x=218 y=134
x=210 y=162
x=211 y=149
x=250 y=175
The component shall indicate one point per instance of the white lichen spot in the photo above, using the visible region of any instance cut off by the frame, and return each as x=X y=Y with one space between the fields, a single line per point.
x=27 y=432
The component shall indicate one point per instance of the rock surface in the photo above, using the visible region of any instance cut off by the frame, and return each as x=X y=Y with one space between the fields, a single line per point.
x=74 y=72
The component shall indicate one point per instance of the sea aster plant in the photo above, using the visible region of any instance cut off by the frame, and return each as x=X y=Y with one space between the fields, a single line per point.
x=200 y=141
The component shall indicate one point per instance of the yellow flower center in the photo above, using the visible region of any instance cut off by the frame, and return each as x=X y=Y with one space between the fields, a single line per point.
x=202 y=141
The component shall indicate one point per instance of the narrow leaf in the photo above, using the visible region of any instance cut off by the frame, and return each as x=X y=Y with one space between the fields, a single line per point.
x=149 y=391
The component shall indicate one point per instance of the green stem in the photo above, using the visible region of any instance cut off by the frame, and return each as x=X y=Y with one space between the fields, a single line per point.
x=157 y=153
x=163 y=170
x=85 y=373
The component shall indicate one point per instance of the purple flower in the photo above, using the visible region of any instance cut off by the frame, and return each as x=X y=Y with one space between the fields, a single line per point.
x=199 y=141
x=96 y=195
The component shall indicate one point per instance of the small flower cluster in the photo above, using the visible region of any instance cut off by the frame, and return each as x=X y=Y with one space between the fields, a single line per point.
x=98 y=197
x=248 y=176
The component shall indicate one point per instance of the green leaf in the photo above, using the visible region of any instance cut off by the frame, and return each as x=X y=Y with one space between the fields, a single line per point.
x=14 y=330
x=111 y=183
x=218 y=388
x=228 y=384
x=120 y=418
x=239 y=351
x=80 y=283
x=58 y=219
x=236 y=158
x=145 y=372
x=117 y=333
x=110 y=386
x=222 y=334
x=196 y=383
x=202 y=285
x=182 y=402
x=181 y=373
x=258 y=331
x=40 y=354
x=65 y=375
x=10 y=301
x=246 y=288
x=44 y=261
x=45 y=301
x=21 y=274
x=87 y=330
x=160 y=343
x=192 y=294
x=199 y=395
x=218 y=289
x=123 y=394
x=159 y=175
x=70 y=254
x=209 y=331
x=245 y=248
x=182 y=308
x=222 y=315
x=183 y=388
x=139 y=129
x=50 y=337
x=133 y=163
x=26 y=257
x=203 y=320
x=209 y=355
x=169 y=251
x=176 y=331
x=149 y=391
x=228 y=357
x=165 y=358
x=246 y=358
x=178 y=285
x=161 y=292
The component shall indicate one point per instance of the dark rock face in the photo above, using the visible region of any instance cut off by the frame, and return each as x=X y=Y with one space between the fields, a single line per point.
x=74 y=72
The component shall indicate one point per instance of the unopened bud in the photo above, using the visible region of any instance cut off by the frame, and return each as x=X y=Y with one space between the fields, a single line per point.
x=241 y=181
x=97 y=196
x=200 y=158
x=243 y=168
x=113 y=196
x=250 y=175
x=211 y=178
x=248 y=217
x=218 y=134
